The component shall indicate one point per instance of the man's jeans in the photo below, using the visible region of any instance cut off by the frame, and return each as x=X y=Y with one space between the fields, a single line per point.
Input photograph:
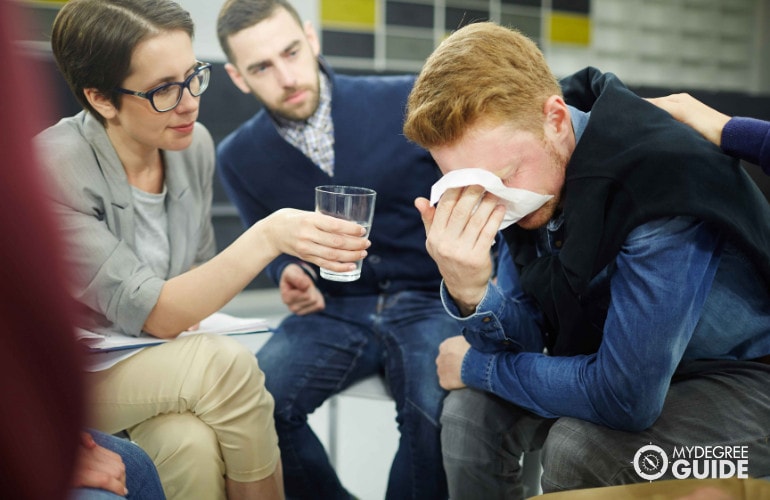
x=310 y=358
x=709 y=403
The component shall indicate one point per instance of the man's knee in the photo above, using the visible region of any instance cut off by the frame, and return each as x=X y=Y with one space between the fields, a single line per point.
x=465 y=406
x=480 y=446
x=578 y=454
x=458 y=411
x=474 y=425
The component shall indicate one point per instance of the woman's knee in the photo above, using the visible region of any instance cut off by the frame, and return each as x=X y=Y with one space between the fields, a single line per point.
x=225 y=353
x=229 y=367
x=185 y=451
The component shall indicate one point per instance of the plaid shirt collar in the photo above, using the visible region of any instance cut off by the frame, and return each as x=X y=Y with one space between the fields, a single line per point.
x=314 y=136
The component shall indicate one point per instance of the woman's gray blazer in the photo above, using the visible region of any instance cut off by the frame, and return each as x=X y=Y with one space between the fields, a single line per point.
x=93 y=201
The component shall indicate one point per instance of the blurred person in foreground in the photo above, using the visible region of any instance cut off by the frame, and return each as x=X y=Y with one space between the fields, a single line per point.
x=41 y=383
x=40 y=367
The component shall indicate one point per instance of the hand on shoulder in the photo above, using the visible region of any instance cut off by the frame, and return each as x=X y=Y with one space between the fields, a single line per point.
x=706 y=120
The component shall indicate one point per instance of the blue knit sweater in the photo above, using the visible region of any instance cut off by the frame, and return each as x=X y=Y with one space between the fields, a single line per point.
x=262 y=173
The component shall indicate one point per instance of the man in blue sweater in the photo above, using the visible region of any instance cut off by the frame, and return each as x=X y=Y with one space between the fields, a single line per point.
x=646 y=278
x=319 y=128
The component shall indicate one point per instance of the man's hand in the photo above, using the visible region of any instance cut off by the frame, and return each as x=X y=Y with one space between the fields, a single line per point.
x=449 y=362
x=460 y=232
x=99 y=467
x=298 y=291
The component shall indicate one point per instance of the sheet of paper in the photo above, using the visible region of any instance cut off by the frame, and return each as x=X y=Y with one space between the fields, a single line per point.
x=108 y=349
x=518 y=202
x=226 y=324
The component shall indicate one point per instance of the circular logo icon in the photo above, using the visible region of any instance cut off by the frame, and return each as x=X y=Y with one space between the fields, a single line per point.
x=650 y=462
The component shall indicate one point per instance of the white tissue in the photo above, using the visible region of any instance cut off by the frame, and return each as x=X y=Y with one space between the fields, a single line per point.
x=518 y=202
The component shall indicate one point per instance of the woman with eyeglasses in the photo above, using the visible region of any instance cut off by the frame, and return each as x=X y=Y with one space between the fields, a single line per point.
x=132 y=179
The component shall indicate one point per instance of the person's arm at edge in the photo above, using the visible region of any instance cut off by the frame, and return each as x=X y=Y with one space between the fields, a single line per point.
x=748 y=139
x=742 y=137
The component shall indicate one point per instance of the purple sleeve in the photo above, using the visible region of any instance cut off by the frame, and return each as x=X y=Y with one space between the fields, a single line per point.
x=748 y=139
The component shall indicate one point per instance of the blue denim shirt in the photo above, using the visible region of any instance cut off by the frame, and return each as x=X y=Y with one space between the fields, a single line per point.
x=676 y=292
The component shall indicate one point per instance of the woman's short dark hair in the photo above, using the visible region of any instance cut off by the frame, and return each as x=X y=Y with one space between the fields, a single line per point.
x=93 y=41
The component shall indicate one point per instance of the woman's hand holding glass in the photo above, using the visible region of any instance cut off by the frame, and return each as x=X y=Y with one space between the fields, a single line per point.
x=326 y=241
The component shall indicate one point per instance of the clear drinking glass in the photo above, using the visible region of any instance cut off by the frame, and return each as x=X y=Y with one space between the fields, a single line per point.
x=349 y=203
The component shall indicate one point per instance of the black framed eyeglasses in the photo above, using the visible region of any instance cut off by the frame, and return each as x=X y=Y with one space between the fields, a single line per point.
x=166 y=97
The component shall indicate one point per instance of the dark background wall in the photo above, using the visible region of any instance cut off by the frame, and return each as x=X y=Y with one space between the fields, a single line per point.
x=223 y=108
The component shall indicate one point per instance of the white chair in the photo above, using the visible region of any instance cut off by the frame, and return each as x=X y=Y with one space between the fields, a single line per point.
x=373 y=387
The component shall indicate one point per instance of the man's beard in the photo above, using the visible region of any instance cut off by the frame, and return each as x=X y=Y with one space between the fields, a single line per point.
x=303 y=113
x=542 y=215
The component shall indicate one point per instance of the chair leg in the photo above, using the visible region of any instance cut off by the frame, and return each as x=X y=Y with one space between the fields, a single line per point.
x=531 y=470
x=333 y=415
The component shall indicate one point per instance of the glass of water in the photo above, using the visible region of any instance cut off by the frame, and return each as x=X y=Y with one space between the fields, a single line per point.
x=349 y=203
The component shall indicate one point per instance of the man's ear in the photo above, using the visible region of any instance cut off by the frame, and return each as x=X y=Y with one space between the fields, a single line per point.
x=312 y=38
x=557 y=117
x=101 y=103
x=237 y=78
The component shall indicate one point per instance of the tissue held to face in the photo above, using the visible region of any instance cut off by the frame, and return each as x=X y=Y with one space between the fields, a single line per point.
x=519 y=158
x=518 y=202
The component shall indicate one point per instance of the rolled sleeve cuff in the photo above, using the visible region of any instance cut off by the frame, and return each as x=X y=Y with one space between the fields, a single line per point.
x=492 y=301
x=449 y=304
x=141 y=300
x=482 y=329
x=477 y=369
